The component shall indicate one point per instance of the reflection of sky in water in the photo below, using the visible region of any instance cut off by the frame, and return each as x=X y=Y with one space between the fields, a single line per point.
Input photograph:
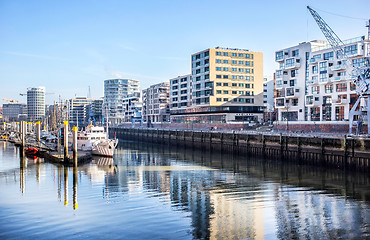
x=157 y=193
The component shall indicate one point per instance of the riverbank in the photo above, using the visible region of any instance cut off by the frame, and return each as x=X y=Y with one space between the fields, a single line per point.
x=352 y=153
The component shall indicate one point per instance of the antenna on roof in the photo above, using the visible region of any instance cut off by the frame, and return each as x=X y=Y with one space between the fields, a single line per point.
x=89 y=93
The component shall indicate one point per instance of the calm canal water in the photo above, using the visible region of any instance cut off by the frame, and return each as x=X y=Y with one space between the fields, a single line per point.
x=161 y=192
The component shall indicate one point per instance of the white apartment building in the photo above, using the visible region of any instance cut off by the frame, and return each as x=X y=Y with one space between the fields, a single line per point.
x=180 y=92
x=132 y=105
x=268 y=97
x=35 y=103
x=156 y=103
x=115 y=90
x=312 y=84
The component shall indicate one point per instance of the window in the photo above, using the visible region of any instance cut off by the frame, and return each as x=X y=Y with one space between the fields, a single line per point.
x=218 y=60
x=234 y=92
x=341 y=87
x=233 y=62
x=175 y=81
x=316 y=89
x=339 y=113
x=226 y=92
x=197 y=79
x=225 y=54
x=327 y=100
x=226 y=99
x=218 y=68
x=226 y=84
x=247 y=85
x=233 y=54
x=218 y=91
x=315 y=114
x=323 y=77
x=241 y=84
x=309 y=100
x=350 y=50
x=247 y=56
x=225 y=61
x=241 y=70
x=329 y=88
x=292 y=83
x=326 y=113
x=323 y=67
x=294 y=73
x=183 y=85
x=174 y=87
x=247 y=78
x=241 y=77
x=241 y=62
x=218 y=76
x=225 y=69
x=233 y=69
x=218 y=53
x=241 y=92
x=234 y=84
x=329 y=56
x=315 y=70
x=234 y=77
x=218 y=99
x=218 y=83
x=279 y=73
x=225 y=76
x=247 y=63
x=279 y=55
x=247 y=70
x=295 y=53
x=289 y=62
x=197 y=71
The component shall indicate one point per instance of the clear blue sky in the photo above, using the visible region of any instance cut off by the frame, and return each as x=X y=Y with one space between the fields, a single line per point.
x=67 y=46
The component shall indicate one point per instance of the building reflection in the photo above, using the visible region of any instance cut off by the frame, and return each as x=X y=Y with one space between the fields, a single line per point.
x=237 y=202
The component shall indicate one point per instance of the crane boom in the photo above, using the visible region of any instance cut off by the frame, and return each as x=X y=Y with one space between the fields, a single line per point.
x=360 y=76
x=333 y=39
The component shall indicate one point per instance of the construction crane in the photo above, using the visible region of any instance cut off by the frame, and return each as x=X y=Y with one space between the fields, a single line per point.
x=10 y=100
x=360 y=76
x=25 y=94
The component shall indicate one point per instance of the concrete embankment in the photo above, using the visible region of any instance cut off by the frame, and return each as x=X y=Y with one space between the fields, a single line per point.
x=332 y=152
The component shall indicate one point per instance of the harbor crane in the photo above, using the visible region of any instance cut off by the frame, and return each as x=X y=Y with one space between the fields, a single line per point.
x=360 y=76
x=10 y=100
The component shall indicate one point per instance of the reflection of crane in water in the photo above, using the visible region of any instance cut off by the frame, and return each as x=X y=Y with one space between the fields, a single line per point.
x=360 y=76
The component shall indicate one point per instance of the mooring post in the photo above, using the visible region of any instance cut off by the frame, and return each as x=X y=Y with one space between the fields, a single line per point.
x=74 y=142
x=323 y=152
x=23 y=133
x=38 y=132
x=65 y=140
x=345 y=146
x=299 y=149
x=263 y=144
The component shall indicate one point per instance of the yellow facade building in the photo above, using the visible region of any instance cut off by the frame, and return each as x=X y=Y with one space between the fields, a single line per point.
x=227 y=86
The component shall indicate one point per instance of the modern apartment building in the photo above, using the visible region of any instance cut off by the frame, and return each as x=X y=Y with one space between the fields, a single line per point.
x=13 y=111
x=78 y=114
x=132 y=105
x=181 y=92
x=227 y=86
x=156 y=103
x=312 y=83
x=115 y=90
x=35 y=103
x=268 y=98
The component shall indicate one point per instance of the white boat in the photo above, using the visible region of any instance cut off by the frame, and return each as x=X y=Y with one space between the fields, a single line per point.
x=94 y=139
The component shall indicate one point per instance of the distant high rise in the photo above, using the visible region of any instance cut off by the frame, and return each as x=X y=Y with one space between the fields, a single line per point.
x=156 y=101
x=35 y=103
x=77 y=111
x=13 y=111
x=115 y=91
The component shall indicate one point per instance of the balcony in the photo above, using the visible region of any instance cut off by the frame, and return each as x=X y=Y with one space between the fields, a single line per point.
x=342 y=101
x=337 y=67
x=295 y=65
x=340 y=78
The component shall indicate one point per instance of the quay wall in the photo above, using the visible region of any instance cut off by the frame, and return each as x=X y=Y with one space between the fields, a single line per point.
x=332 y=152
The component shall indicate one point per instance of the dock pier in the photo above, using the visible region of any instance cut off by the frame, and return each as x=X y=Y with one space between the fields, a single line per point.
x=352 y=153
